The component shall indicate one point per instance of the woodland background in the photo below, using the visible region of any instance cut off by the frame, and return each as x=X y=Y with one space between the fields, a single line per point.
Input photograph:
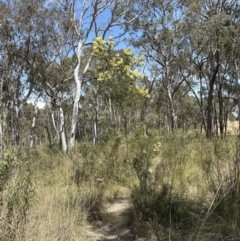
x=137 y=94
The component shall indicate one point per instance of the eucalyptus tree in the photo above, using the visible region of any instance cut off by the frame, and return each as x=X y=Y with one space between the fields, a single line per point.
x=211 y=27
x=3 y=94
x=29 y=44
x=34 y=46
x=15 y=52
x=157 y=33
x=55 y=84
x=235 y=51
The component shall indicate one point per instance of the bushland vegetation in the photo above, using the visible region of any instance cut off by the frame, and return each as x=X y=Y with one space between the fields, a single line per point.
x=103 y=99
x=180 y=187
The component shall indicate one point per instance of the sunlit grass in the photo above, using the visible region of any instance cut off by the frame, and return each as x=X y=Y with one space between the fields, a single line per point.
x=180 y=185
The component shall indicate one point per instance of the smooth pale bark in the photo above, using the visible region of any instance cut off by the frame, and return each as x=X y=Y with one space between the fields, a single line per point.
x=95 y=137
x=95 y=127
x=62 y=131
x=173 y=114
x=110 y=109
x=78 y=88
x=54 y=125
x=16 y=132
x=166 y=123
x=170 y=97
x=53 y=122
x=32 y=137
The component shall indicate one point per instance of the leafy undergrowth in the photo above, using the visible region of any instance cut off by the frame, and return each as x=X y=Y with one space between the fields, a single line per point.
x=179 y=187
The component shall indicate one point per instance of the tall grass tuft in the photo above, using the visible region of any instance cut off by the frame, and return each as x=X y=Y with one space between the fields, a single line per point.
x=43 y=198
x=17 y=192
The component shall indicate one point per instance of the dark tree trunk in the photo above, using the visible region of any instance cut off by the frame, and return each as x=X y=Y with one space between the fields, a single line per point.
x=220 y=101
x=210 y=97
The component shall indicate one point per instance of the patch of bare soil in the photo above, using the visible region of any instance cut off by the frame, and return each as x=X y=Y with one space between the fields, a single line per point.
x=116 y=224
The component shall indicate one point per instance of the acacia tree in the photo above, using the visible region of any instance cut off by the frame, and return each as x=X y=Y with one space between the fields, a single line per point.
x=118 y=76
x=84 y=20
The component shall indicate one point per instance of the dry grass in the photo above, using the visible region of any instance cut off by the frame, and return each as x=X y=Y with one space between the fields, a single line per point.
x=55 y=213
x=57 y=209
x=181 y=187
x=192 y=189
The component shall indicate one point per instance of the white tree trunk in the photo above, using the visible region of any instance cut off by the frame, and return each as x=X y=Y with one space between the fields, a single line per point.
x=53 y=121
x=95 y=137
x=173 y=114
x=32 y=137
x=62 y=131
x=16 y=132
x=77 y=96
x=78 y=85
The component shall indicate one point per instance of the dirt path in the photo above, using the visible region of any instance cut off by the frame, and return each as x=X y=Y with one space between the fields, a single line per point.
x=115 y=226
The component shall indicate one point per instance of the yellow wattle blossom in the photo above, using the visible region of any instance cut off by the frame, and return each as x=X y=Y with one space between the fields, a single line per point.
x=117 y=62
x=142 y=92
x=141 y=76
x=111 y=42
x=101 y=48
x=118 y=69
x=128 y=52
x=104 y=76
x=157 y=147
